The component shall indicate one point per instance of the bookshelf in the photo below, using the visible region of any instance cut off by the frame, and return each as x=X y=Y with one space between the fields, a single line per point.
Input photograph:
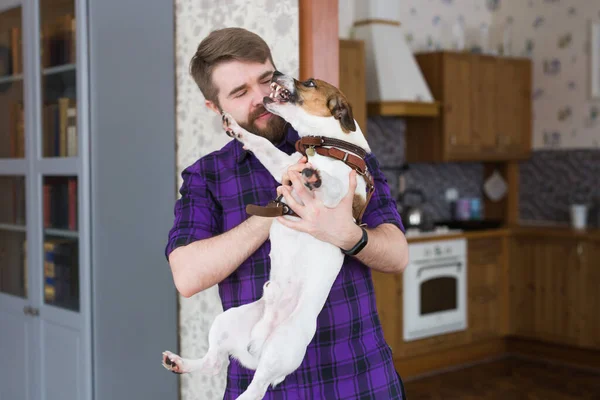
x=77 y=286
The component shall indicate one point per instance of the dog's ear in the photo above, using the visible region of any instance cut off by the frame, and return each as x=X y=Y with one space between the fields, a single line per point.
x=342 y=111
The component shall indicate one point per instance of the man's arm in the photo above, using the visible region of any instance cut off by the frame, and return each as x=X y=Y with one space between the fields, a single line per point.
x=204 y=263
x=386 y=250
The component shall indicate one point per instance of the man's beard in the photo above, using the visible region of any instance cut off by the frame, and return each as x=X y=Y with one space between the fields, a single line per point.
x=274 y=131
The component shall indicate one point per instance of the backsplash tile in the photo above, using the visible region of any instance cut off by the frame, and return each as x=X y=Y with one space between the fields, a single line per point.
x=386 y=138
x=549 y=182
x=552 y=180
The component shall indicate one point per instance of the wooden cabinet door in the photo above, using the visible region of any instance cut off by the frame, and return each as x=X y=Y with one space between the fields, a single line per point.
x=484 y=271
x=547 y=289
x=589 y=297
x=456 y=113
x=483 y=104
x=353 y=79
x=513 y=112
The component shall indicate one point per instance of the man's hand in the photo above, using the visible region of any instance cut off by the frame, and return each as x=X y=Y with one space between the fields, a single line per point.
x=333 y=225
x=298 y=167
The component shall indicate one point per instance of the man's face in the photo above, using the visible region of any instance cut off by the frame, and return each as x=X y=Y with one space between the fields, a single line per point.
x=241 y=89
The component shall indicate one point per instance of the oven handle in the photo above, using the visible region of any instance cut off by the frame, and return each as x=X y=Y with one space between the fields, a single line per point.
x=458 y=265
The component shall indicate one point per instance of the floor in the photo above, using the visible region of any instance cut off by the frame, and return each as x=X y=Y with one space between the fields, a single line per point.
x=509 y=378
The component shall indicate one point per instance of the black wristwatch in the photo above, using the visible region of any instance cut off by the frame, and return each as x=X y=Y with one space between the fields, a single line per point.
x=358 y=246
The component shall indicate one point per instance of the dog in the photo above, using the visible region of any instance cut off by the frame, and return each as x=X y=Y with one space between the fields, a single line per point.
x=271 y=335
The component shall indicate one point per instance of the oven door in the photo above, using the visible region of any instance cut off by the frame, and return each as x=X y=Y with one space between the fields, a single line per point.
x=434 y=300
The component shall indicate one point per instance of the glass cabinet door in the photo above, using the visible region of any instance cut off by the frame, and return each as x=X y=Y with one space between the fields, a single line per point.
x=13 y=269
x=58 y=66
x=58 y=111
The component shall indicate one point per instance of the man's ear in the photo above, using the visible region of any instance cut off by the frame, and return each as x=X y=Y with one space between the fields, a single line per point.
x=212 y=106
x=342 y=111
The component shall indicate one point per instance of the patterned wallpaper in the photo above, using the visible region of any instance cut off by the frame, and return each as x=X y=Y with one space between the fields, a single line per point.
x=554 y=33
x=199 y=132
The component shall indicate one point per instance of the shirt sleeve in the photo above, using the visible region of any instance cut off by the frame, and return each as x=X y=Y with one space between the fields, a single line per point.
x=197 y=213
x=382 y=207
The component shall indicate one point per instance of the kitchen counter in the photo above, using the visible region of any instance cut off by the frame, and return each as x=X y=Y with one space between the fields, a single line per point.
x=525 y=229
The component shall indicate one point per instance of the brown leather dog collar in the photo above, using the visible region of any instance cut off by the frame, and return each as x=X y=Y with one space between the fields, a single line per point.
x=317 y=143
x=328 y=147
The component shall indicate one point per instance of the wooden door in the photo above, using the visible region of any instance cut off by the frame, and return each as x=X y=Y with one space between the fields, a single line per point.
x=353 y=80
x=483 y=104
x=589 y=298
x=484 y=268
x=457 y=113
x=547 y=285
x=513 y=111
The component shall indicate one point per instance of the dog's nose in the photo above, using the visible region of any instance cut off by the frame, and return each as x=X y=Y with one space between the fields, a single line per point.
x=276 y=74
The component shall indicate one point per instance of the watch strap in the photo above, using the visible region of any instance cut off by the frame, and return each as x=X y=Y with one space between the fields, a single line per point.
x=359 y=245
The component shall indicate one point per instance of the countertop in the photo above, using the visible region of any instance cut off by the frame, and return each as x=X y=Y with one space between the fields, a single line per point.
x=524 y=229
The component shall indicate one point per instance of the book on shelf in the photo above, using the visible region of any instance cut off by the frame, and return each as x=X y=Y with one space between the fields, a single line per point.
x=61 y=271
x=60 y=128
x=11 y=39
x=60 y=203
x=58 y=41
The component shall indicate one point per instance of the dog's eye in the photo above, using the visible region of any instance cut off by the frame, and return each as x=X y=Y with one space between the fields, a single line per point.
x=310 y=83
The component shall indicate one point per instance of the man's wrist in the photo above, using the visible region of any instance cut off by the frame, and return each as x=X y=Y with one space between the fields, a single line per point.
x=359 y=245
x=354 y=235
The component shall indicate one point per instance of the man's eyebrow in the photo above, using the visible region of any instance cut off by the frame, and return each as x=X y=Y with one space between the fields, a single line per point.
x=243 y=86
x=237 y=89
x=265 y=74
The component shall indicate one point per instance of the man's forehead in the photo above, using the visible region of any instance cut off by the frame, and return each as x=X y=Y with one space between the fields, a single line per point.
x=232 y=74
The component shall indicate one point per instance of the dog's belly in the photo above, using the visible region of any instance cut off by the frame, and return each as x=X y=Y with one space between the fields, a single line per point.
x=303 y=267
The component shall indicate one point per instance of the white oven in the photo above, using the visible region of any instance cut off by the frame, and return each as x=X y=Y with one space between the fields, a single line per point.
x=435 y=288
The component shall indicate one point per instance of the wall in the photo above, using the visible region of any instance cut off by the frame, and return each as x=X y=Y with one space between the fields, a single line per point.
x=132 y=171
x=199 y=132
x=555 y=34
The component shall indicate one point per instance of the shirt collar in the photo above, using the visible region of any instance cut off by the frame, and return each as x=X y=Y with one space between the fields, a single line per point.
x=291 y=137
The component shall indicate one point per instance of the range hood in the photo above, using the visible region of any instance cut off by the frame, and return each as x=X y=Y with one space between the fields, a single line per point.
x=395 y=84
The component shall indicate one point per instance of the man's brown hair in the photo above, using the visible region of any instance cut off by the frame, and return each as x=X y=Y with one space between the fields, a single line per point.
x=225 y=45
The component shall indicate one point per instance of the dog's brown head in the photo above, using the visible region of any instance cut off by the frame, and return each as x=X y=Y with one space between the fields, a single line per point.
x=315 y=97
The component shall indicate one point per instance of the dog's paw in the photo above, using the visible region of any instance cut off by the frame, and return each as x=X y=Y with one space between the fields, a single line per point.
x=173 y=362
x=232 y=129
x=311 y=178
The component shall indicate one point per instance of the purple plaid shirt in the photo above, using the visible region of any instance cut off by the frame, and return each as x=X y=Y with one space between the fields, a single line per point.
x=348 y=358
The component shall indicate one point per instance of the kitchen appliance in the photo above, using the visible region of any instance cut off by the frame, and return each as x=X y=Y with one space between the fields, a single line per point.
x=435 y=288
x=393 y=75
x=414 y=216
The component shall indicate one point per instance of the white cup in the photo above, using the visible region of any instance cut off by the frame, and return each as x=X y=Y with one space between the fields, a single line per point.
x=579 y=216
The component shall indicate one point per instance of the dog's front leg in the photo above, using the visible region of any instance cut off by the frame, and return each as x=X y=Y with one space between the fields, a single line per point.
x=273 y=159
x=329 y=189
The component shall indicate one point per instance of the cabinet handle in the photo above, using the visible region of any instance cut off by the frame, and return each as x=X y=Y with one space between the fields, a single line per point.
x=453 y=140
x=579 y=249
x=34 y=312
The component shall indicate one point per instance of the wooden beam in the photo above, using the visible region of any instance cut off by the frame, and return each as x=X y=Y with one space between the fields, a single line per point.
x=319 y=40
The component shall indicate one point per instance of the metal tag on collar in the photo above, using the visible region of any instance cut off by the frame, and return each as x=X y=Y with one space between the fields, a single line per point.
x=310 y=151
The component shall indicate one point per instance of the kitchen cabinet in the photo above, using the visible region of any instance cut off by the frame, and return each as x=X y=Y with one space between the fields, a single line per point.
x=554 y=290
x=485 y=112
x=484 y=285
x=353 y=79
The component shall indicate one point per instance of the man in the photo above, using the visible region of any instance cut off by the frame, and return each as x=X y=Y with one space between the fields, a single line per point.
x=213 y=241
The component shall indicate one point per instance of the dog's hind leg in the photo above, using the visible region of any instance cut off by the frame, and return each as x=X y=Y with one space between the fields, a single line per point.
x=229 y=334
x=282 y=354
x=273 y=159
